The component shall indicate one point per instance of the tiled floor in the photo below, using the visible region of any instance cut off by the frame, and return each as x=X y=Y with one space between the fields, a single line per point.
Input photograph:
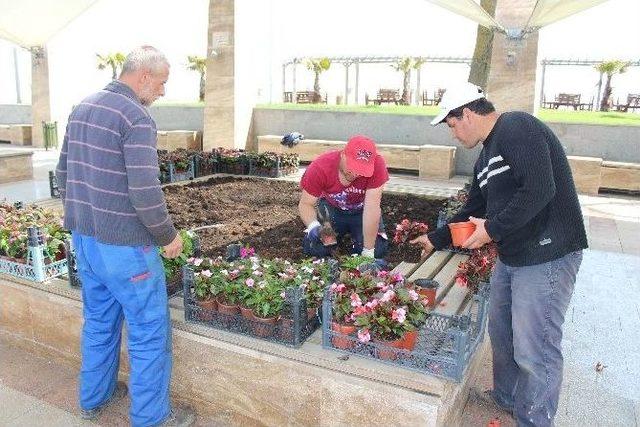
x=602 y=325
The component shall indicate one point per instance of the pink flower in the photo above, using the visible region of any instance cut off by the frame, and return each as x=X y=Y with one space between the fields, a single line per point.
x=359 y=311
x=190 y=260
x=382 y=273
x=462 y=281
x=382 y=286
x=397 y=277
x=197 y=262
x=388 y=296
x=355 y=300
x=371 y=305
x=399 y=315
x=207 y=273
x=247 y=252
x=363 y=335
x=338 y=288
x=413 y=295
x=250 y=282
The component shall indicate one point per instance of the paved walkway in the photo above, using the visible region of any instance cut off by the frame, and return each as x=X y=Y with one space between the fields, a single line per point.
x=602 y=326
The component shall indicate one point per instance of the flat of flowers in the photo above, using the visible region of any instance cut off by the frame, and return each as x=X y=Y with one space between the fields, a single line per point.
x=264 y=214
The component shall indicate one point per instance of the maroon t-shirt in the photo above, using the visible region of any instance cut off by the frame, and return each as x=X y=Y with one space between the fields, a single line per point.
x=321 y=180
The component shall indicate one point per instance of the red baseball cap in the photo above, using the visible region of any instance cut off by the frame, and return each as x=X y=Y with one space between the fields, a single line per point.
x=361 y=153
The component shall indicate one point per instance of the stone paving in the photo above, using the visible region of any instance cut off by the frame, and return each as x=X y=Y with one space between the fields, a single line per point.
x=602 y=326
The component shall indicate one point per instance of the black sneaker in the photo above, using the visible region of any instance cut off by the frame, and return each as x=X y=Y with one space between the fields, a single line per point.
x=486 y=398
x=118 y=394
x=179 y=417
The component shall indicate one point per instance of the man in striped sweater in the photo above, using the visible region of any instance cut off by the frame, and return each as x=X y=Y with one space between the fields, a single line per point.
x=115 y=208
x=524 y=199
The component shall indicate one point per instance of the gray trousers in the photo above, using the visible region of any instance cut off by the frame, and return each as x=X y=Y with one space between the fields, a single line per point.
x=526 y=313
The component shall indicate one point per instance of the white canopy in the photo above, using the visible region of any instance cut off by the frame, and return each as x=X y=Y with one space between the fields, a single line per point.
x=544 y=12
x=31 y=23
x=549 y=11
x=469 y=9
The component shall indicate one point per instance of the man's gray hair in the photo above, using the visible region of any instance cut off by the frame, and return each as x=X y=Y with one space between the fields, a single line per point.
x=144 y=57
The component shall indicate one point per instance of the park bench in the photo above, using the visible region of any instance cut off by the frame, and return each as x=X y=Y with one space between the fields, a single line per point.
x=385 y=96
x=17 y=134
x=310 y=97
x=437 y=97
x=633 y=102
x=568 y=100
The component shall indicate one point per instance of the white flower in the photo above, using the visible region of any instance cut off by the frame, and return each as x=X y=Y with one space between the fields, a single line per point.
x=207 y=273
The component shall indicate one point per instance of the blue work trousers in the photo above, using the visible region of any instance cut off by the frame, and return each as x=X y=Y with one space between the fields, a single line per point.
x=526 y=312
x=124 y=283
x=345 y=222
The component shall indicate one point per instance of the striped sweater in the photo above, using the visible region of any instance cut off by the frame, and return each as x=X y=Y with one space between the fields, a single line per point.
x=108 y=171
x=522 y=185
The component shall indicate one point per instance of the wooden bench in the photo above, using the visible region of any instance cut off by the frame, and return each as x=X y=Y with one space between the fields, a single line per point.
x=310 y=97
x=568 y=100
x=173 y=139
x=17 y=134
x=385 y=96
x=431 y=161
x=437 y=97
x=633 y=103
x=15 y=165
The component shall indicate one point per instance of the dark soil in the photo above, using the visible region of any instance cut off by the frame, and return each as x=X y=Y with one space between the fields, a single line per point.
x=264 y=214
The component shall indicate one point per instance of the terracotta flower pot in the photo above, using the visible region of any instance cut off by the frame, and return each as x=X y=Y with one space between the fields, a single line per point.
x=207 y=308
x=427 y=289
x=264 y=326
x=386 y=352
x=247 y=313
x=226 y=308
x=311 y=312
x=461 y=231
x=342 y=342
x=409 y=341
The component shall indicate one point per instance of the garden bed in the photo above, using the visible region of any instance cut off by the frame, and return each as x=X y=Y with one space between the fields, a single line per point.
x=263 y=214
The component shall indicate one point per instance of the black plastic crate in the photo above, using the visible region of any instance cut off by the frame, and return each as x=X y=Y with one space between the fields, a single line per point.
x=275 y=171
x=292 y=328
x=204 y=166
x=53 y=185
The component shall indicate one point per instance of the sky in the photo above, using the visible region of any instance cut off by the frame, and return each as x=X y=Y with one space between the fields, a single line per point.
x=280 y=30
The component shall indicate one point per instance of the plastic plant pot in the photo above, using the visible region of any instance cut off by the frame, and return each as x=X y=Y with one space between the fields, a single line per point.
x=461 y=231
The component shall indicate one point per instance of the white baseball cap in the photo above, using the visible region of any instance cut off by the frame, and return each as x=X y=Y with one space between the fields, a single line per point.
x=457 y=96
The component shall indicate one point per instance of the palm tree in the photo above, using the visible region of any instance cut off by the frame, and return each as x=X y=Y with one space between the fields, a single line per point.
x=610 y=68
x=113 y=60
x=318 y=66
x=199 y=64
x=405 y=65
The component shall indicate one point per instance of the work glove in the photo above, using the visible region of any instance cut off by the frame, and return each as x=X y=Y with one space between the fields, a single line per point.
x=370 y=253
x=313 y=230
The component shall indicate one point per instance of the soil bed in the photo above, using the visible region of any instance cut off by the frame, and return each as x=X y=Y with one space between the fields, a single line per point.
x=264 y=214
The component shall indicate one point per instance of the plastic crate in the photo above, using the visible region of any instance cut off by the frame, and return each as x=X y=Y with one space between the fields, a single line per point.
x=443 y=348
x=275 y=171
x=37 y=267
x=292 y=328
x=173 y=176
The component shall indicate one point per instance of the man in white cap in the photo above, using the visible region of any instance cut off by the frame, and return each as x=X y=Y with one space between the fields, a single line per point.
x=524 y=199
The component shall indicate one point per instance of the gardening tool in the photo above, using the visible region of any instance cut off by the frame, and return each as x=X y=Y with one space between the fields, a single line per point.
x=328 y=236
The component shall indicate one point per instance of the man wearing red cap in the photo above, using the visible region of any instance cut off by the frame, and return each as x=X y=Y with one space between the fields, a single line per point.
x=347 y=185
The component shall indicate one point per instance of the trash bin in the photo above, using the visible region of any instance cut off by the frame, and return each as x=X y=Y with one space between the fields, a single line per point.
x=50 y=134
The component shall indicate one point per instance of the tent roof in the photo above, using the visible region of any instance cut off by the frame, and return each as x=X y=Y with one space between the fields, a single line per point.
x=30 y=23
x=545 y=12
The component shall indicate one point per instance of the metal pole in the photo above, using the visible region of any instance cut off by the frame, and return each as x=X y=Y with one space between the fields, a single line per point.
x=15 y=67
x=544 y=69
x=357 y=81
x=284 y=80
x=293 y=91
x=346 y=83
x=418 y=85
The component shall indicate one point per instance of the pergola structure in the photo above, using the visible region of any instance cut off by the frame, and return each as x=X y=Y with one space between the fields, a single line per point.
x=579 y=62
x=348 y=61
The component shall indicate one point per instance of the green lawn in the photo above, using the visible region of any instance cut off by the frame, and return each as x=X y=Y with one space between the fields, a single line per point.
x=589 y=117
x=559 y=116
